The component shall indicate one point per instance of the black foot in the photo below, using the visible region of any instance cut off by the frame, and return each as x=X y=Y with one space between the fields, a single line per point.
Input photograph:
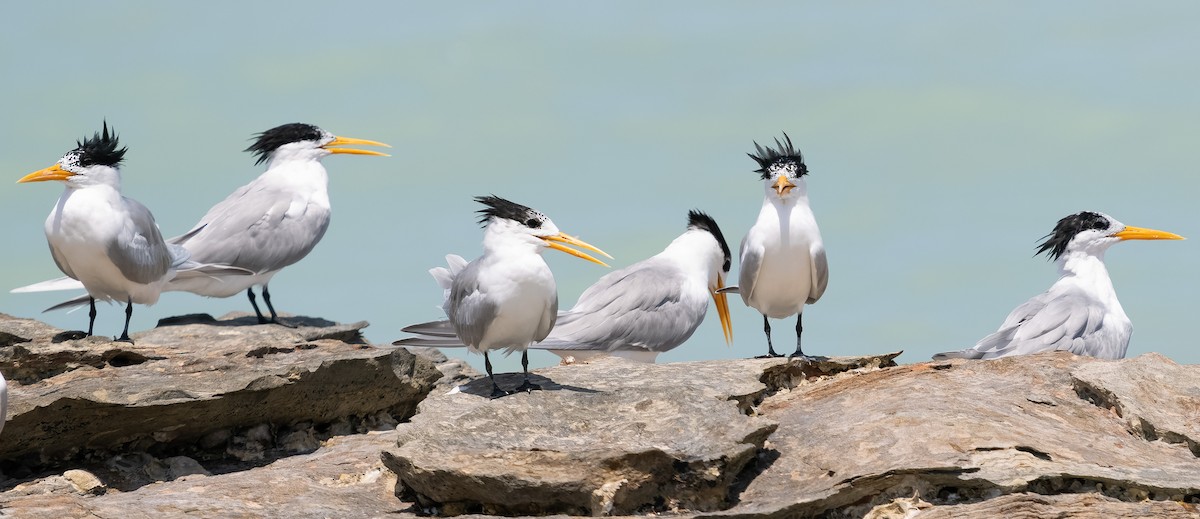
x=770 y=354
x=497 y=392
x=527 y=387
x=72 y=335
x=799 y=355
x=123 y=338
x=264 y=320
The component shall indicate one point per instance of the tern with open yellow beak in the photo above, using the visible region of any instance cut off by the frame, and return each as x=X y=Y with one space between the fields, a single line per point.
x=264 y=226
x=1080 y=312
x=637 y=312
x=107 y=242
x=783 y=265
x=507 y=298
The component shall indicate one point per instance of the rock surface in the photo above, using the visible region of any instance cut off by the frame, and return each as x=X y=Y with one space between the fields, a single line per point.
x=200 y=385
x=111 y=430
x=343 y=479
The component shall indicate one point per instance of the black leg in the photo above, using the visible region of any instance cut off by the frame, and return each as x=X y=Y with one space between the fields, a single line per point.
x=496 y=391
x=250 y=294
x=770 y=349
x=128 y=315
x=91 y=315
x=267 y=298
x=526 y=386
x=799 y=330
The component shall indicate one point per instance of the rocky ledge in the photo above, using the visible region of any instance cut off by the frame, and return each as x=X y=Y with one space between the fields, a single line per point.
x=227 y=418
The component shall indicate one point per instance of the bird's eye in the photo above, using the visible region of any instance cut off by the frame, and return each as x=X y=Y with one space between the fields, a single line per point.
x=1100 y=225
x=533 y=223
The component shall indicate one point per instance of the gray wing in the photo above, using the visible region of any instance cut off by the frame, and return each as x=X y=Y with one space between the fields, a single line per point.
x=1045 y=323
x=820 y=273
x=433 y=328
x=251 y=229
x=637 y=308
x=748 y=268
x=139 y=251
x=470 y=309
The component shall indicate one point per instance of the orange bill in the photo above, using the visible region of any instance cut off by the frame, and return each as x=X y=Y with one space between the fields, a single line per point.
x=1139 y=233
x=722 y=302
x=556 y=242
x=346 y=141
x=783 y=185
x=54 y=172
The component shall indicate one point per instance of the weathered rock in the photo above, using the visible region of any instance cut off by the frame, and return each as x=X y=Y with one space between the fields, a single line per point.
x=150 y=433
x=1134 y=390
x=1075 y=506
x=608 y=437
x=961 y=431
x=343 y=479
x=201 y=383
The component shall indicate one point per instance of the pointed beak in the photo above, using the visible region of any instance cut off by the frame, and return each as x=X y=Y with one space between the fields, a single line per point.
x=556 y=242
x=783 y=185
x=54 y=172
x=346 y=141
x=722 y=303
x=1139 y=233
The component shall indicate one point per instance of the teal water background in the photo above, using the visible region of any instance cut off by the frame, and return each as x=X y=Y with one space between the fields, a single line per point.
x=943 y=139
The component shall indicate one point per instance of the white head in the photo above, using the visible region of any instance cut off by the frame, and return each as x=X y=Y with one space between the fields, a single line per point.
x=782 y=169
x=719 y=260
x=511 y=224
x=94 y=161
x=1093 y=233
x=300 y=141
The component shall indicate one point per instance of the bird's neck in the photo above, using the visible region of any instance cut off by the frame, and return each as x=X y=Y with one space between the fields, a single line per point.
x=305 y=173
x=1086 y=270
x=500 y=243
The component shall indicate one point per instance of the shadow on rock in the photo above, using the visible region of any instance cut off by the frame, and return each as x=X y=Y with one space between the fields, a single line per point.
x=507 y=381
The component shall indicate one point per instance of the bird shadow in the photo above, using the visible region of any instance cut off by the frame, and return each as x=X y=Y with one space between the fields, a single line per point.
x=508 y=381
x=243 y=320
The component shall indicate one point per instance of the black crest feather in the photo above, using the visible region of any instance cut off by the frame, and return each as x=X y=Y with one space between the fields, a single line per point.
x=270 y=140
x=500 y=208
x=1056 y=242
x=783 y=153
x=101 y=149
x=697 y=219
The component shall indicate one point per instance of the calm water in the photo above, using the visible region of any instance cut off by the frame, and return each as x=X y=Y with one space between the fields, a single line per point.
x=944 y=139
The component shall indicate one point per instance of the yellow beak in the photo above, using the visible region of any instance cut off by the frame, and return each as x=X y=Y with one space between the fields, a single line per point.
x=1139 y=233
x=345 y=141
x=555 y=242
x=723 y=311
x=783 y=185
x=54 y=172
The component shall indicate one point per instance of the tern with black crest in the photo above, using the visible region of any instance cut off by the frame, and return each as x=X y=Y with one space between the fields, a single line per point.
x=507 y=298
x=264 y=226
x=1080 y=312
x=640 y=311
x=782 y=260
x=104 y=240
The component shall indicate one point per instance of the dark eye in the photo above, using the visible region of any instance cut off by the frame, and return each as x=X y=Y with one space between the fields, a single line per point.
x=533 y=223
x=1100 y=225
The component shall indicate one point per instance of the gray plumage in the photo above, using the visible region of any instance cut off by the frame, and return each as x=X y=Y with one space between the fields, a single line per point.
x=653 y=317
x=1066 y=322
x=140 y=253
x=253 y=229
